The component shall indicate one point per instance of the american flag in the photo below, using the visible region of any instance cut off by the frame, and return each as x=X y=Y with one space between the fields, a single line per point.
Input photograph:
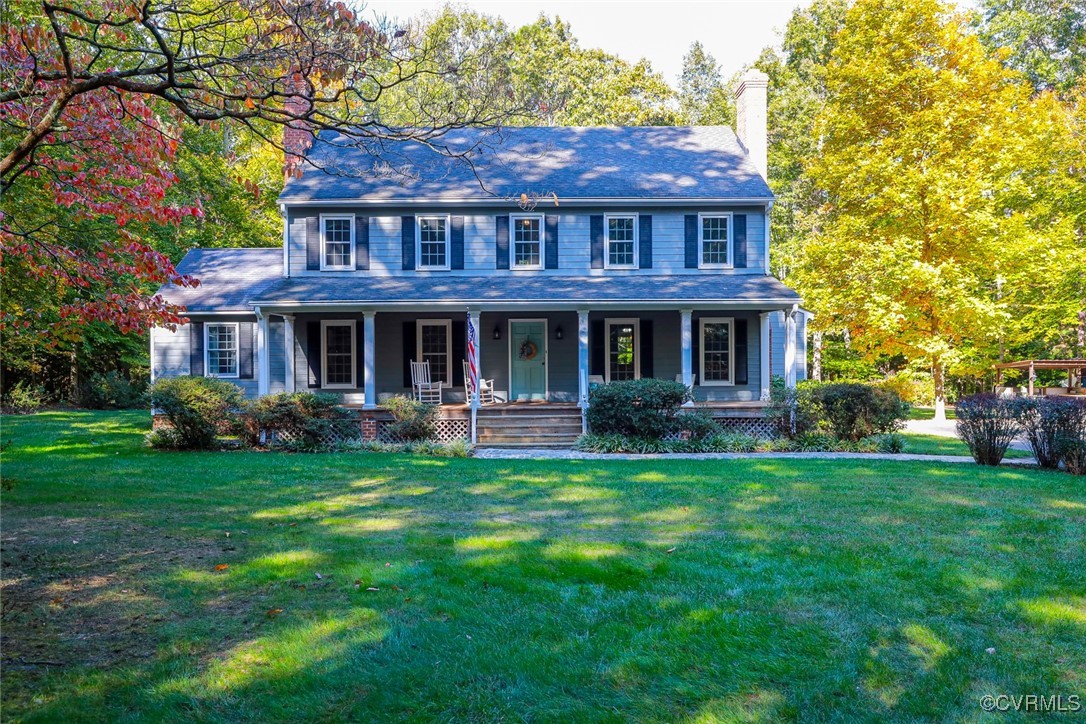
x=473 y=371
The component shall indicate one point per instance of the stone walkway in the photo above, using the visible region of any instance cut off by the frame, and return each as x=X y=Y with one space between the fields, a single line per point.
x=489 y=453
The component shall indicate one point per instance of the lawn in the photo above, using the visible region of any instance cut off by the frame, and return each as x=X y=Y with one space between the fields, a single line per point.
x=257 y=586
x=921 y=444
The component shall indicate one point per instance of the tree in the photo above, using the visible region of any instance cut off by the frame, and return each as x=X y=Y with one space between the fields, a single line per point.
x=928 y=165
x=704 y=99
x=1045 y=39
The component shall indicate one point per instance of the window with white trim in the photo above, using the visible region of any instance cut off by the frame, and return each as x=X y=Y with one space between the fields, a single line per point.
x=338 y=350
x=432 y=242
x=623 y=350
x=337 y=242
x=621 y=242
x=221 y=343
x=715 y=241
x=434 y=345
x=527 y=242
x=718 y=351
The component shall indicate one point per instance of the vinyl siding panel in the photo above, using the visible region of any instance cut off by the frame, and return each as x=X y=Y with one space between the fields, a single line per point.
x=171 y=352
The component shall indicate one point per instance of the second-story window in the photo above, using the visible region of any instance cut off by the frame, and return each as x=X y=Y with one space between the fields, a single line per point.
x=716 y=241
x=527 y=242
x=621 y=242
x=433 y=242
x=337 y=240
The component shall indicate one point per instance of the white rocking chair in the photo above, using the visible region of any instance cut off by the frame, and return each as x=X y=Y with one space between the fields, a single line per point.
x=486 y=387
x=423 y=389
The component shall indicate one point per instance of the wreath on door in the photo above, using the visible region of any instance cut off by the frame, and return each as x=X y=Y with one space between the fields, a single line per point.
x=528 y=350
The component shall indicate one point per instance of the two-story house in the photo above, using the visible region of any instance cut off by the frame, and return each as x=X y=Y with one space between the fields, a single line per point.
x=645 y=255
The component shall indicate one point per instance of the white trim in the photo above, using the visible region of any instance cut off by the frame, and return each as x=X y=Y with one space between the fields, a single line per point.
x=350 y=243
x=582 y=358
x=497 y=202
x=731 y=240
x=263 y=359
x=369 y=366
x=607 y=242
x=152 y=340
x=703 y=380
x=419 y=266
x=764 y=372
x=447 y=324
x=325 y=324
x=289 y=379
x=237 y=349
x=553 y=305
x=286 y=239
x=607 y=324
x=546 y=353
x=686 y=341
x=513 y=266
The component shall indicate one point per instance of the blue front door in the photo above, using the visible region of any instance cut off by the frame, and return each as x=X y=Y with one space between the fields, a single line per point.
x=528 y=361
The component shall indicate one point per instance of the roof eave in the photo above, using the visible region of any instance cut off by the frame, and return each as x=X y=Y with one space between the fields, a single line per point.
x=494 y=201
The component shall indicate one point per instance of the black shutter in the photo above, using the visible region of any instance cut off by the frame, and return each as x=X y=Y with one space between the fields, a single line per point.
x=597 y=347
x=695 y=350
x=551 y=239
x=313 y=352
x=409 y=341
x=739 y=221
x=646 y=348
x=456 y=243
x=644 y=241
x=362 y=242
x=312 y=243
x=459 y=351
x=245 y=350
x=407 y=241
x=595 y=228
x=741 y=352
x=691 y=241
x=501 y=241
x=196 y=349
x=359 y=358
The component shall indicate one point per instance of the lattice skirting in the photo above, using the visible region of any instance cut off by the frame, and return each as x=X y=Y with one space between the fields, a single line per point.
x=448 y=430
x=757 y=426
x=338 y=432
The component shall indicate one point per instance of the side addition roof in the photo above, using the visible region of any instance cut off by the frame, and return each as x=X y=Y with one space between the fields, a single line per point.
x=229 y=278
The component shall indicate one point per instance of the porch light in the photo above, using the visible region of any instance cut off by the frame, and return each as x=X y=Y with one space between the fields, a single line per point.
x=558 y=332
x=497 y=332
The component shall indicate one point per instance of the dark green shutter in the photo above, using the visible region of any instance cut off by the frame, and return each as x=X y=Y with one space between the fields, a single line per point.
x=362 y=242
x=597 y=346
x=644 y=241
x=456 y=242
x=739 y=221
x=196 y=349
x=312 y=243
x=691 y=236
x=407 y=241
x=501 y=241
x=550 y=250
x=313 y=352
x=245 y=350
x=595 y=227
x=741 y=352
x=646 y=348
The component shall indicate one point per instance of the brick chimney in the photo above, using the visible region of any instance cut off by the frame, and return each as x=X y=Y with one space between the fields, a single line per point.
x=751 y=100
x=297 y=137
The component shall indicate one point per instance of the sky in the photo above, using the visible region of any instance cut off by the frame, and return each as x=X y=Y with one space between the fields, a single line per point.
x=732 y=31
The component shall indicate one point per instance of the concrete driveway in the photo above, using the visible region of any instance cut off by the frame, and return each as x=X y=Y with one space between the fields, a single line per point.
x=947 y=428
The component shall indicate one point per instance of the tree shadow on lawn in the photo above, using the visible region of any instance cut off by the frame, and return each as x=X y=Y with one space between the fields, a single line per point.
x=566 y=589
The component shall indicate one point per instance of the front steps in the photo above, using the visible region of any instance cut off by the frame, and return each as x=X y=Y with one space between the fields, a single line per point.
x=528 y=425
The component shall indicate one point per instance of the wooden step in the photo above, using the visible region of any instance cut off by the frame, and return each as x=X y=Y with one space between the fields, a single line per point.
x=528 y=445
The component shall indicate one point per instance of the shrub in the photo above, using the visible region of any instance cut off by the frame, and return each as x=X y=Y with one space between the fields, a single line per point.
x=815 y=442
x=852 y=411
x=24 y=399
x=789 y=410
x=113 y=391
x=414 y=421
x=198 y=409
x=889 y=443
x=301 y=421
x=987 y=424
x=1052 y=425
x=695 y=425
x=645 y=408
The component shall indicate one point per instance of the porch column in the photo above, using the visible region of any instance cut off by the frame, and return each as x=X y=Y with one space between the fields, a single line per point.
x=473 y=324
x=288 y=348
x=687 y=336
x=369 y=381
x=764 y=371
x=263 y=365
x=582 y=358
x=790 y=347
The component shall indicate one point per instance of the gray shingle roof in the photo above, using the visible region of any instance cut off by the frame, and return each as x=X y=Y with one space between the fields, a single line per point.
x=673 y=162
x=229 y=278
x=518 y=289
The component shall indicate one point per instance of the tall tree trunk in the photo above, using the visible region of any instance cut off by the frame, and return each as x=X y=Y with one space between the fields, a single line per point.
x=816 y=356
x=938 y=375
x=73 y=378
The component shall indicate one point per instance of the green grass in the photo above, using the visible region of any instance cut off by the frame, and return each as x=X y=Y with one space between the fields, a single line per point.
x=928 y=413
x=920 y=444
x=560 y=590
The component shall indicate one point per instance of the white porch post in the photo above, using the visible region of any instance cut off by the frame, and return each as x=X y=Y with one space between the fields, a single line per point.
x=582 y=365
x=765 y=374
x=473 y=320
x=790 y=347
x=263 y=368
x=288 y=345
x=369 y=381
x=687 y=335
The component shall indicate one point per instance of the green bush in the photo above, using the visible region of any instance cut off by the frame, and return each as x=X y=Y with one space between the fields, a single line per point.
x=695 y=425
x=300 y=421
x=24 y=399
x=645 y=408
x=852 y=411
x=414 y=421
x=789 y=410
x=113 y=391
x=889 y=443
x=1054 y=426
x=987 y=424
x=198 y=409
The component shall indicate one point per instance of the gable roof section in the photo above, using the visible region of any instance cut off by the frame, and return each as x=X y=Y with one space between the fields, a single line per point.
x=575 y=163
x=229 y=278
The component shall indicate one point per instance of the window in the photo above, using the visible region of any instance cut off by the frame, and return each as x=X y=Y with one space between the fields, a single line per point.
x=717 y=351
x=433 y=242
x=716 y=241
x=623 y=347
x=337 y=345
x=221 y=349
x=337 y=242
x=621 y=242
x=527 y=242
x=434 y=345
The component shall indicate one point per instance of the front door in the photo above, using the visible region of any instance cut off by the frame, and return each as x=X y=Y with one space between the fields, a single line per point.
x=528 y=360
